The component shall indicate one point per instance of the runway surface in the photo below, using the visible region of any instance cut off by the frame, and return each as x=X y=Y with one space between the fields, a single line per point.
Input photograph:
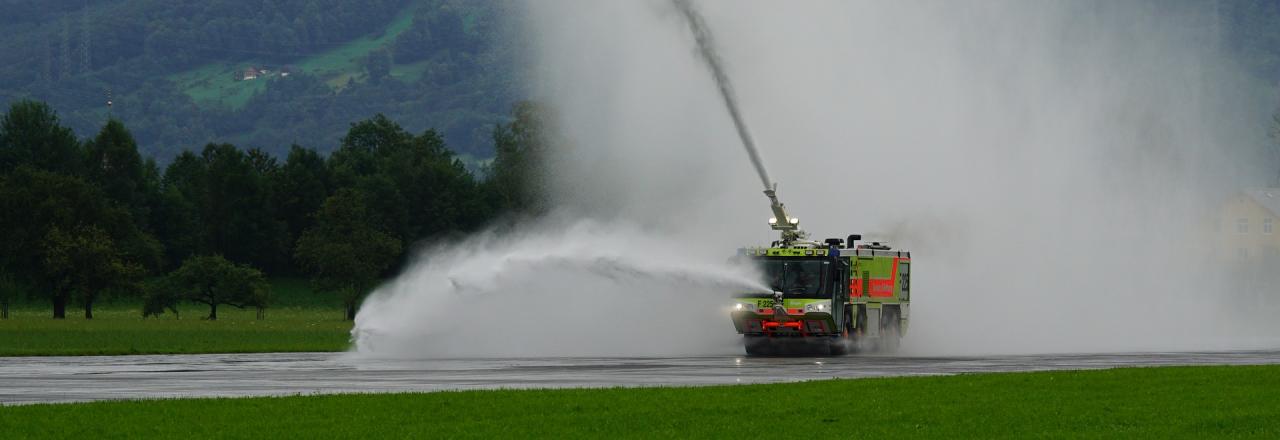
x=66 y=379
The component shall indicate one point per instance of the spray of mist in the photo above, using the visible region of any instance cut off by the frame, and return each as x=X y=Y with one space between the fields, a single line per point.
x=1056 y=169
x=547 y=289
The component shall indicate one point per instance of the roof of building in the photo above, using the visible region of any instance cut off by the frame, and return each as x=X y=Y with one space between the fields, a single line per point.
x=1267 y=197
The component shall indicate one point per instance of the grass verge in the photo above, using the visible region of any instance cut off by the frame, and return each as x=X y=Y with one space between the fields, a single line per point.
x=299 y=320
x=117 y=332
x=1124 y=403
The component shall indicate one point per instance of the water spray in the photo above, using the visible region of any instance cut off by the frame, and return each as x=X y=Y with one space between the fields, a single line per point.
x=789 y=226
x=555 y=287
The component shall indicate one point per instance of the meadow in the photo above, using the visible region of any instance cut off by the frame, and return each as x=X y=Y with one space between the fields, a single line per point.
x=1174 y=402
x=215 y=84
x=298 y=320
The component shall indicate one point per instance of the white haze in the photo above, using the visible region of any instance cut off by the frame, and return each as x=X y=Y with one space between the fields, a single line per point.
x=1056 y=169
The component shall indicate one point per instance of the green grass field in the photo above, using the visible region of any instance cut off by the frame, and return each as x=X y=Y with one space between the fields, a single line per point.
x=1182 y=402
x=347 y=57
x=215 y=84
x=298 y=320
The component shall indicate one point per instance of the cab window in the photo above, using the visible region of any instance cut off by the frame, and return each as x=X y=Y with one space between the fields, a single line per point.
x=904 y=277
x=795 y=277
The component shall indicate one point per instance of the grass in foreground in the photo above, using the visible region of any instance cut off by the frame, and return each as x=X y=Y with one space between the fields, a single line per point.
x=1126 y=403
x=300 y=320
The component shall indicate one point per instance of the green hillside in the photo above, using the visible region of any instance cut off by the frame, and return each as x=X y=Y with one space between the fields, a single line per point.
x=218 y=84
x=213 y=85
x=174 y=70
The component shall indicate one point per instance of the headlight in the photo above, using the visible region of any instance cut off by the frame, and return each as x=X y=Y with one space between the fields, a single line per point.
x=815 y=307
x=737 y=306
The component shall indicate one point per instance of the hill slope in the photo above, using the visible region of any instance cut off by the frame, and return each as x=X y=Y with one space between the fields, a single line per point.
x=264 y=73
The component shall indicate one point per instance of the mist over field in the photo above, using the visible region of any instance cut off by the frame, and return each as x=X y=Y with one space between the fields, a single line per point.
x=1055 y=168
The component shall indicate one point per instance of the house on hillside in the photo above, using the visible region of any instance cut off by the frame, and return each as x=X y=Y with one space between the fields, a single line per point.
x=1248 y=224
x=1249 y=240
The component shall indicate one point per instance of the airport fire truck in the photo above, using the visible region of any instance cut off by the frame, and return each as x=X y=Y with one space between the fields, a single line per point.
x=827 y=297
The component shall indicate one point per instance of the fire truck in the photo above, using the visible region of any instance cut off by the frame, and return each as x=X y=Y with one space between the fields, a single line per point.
x=827 y=298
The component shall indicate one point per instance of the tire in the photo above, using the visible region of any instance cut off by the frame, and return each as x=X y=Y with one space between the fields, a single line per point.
x=890 y=333
x=756 y=346
x=839 y=346
x=825 y=348
x=857 y=336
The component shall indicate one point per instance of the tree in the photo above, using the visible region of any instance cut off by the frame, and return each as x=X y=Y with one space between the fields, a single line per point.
x=343 y=252
x=413 y=185
x=160 y=296
x=45 y=215
x=440 y=193
x=177 y=218
x=235 y=208
x=82 y=263
x=520 y=148
x=9 y=289
x=10 y=286
x=31 y=134
x=113 y=163
x=357 y=155
x=301 y=187
x=214 y=281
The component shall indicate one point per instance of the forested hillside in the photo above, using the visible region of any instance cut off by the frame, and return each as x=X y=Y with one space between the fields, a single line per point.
x=262 y=73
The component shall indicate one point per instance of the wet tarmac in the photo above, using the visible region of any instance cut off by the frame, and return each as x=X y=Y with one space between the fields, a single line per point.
x=66 y=379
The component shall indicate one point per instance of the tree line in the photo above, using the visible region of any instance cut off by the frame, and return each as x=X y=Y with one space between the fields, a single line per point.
x=82 y=220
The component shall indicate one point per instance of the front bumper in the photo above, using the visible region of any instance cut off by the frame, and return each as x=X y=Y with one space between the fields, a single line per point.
x=792 y=323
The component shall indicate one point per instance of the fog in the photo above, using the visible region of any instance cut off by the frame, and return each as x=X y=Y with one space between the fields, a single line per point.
x=1055 y=168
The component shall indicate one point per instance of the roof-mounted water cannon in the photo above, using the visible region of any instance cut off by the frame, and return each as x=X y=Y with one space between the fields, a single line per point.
x=790 y=226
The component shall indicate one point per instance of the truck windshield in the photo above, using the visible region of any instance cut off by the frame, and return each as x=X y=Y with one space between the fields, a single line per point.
x=794 y=277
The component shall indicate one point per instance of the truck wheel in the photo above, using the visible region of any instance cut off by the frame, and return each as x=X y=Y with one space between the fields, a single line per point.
x=857 y=335
x=839 y=346
x=756 y=346
x=825 y=348
x=890 y=333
